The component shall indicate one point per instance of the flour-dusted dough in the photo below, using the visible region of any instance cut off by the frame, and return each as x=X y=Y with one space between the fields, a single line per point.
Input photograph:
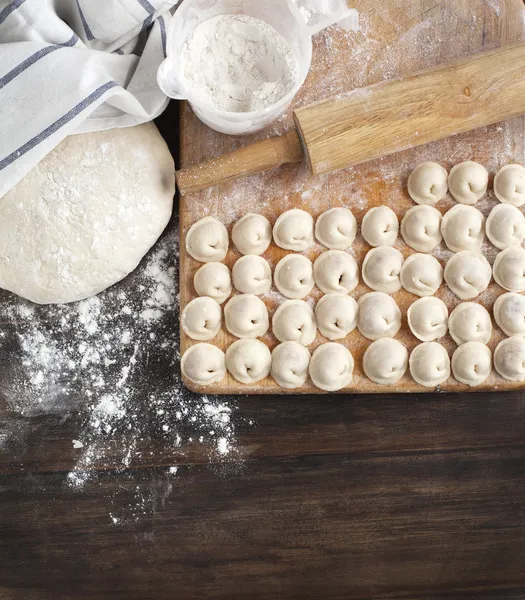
x=468 y=274
x=203 y=364
x=336 y=272
x=252 y=275
x=294 y=321
x=509 y=359
x=385 y=361
x=509 y=269
x=207 y=240
x=463 y=228
x=85 y=216
x=509 y=313
x=380 y=226
x=293 y=276
x=290 y=362
x=331 y=367
x=421 y=228
x=509 y=185
x=468 y=182
x=428 y=318
x=294 y=230
x=428 y=183
x=379 y=316
x=470 y=322
x=336 y=315
x=246 y=316
x=252 y=234
x=421 y=275
x=506 y=226
x=429 y=364
x=248 y=361
x=213 y=280
x=336 y=229
x=201 y=319
x=472 y=363
x=381 y=269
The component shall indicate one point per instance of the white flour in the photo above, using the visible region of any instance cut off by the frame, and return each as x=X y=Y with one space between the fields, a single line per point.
x=237 y=63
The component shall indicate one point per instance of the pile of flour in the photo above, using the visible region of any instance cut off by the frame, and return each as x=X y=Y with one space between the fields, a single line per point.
x=237 y=63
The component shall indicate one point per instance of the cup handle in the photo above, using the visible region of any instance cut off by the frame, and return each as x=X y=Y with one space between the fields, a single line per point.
x=168 y=81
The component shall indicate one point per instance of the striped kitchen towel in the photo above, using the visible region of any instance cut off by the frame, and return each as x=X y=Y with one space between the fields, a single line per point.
x=71 y=66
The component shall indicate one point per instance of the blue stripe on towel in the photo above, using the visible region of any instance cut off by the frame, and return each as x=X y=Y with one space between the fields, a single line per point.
x=9 y=9
x=147 y=23
x=163 y=35
x=89 y=35
x=147 y=6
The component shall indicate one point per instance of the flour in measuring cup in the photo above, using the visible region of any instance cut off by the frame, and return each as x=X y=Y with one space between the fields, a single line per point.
x=237 y=63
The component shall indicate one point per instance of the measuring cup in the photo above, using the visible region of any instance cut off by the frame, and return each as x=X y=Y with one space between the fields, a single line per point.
x=295 y=20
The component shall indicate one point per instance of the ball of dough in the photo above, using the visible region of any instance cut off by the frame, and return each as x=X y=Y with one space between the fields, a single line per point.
x=379 y=316
x=336 y=272
x=248 y=361
x=428 y=319
x=470 y=322
x=331 y=367
x=294 y=230
x=421 y=228
x=336 y=229
x=381 y=269
x=463 y=228
x=86 y=215
x=380 y=226
x=509 y=269
x=294 y=321
x=246 y=316
x=252 y=234
x=509 y=312
x=294 y=277
x=509 y=359
x=472 y=363
x=429 y=364
x=509 y=185
x=201 y=319
x=468 y=274
x=203 y=364
x=213 y=280
x=336 y=315
x=428 y=183
x=252 y=275
x=468 y=182
x=421 y=275
x=506 y=226
x=207 y=240
x=290 y=362
x=385 y=361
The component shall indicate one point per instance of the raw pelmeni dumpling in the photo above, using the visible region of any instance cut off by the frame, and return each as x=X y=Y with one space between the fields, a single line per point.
x=213 y=280
x=252 y=234
x=509 y=269
x=509 y=312
x=509 y=185
x=248 y=361
x=421 y=228
x=336 y=229
x=201 y=319
x=470 y=322
x=428 y=183
x=336 y=315
x=203 y=364
x=506 y=226
x=429 y=364
x=509 y=359
x=381 y=269
x=379 y=316
x=293 y=276
x=428 y=319
x=207 y=240
x=246 y=316
x=472 y=363
x=421 y=275
x=294 y=321
x=380 y=226
x=468 y=274
x=463 y=228
x=294 y=230
x=252 y=275
x=290 y=362
x=331 y=367
x=385 y=361
x=468 y=182
x=336 y=272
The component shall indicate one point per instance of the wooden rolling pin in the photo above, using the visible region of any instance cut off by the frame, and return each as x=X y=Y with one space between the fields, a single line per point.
x=383 y=119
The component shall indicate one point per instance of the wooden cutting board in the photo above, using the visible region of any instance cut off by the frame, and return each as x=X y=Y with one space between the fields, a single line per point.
x=397 y=38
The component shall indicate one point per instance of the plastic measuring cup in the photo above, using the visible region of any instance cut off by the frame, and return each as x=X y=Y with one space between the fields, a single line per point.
x=295 y=20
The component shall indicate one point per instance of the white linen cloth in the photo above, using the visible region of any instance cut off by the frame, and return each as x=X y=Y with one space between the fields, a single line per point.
x=71 y=66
